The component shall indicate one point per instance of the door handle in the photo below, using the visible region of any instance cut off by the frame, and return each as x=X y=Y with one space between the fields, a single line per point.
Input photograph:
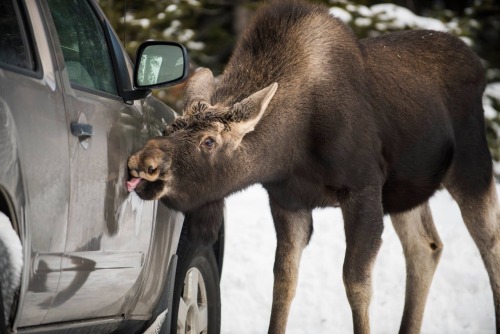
x=81 y=130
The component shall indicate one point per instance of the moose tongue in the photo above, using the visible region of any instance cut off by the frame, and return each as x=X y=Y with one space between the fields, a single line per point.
x=133 y=183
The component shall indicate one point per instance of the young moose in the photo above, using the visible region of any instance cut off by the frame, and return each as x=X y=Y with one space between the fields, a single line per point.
x=320 y=119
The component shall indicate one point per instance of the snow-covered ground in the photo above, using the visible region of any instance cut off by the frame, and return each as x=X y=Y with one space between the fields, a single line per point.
x=460 y=300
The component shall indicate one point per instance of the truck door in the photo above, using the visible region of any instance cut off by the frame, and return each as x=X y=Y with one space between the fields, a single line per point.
x=109 y=230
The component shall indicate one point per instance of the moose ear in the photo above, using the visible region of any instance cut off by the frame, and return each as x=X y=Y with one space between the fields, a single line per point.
x=251 y=109
x=199 y=89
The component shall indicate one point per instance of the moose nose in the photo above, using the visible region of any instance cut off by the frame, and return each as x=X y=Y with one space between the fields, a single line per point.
x=152 y=169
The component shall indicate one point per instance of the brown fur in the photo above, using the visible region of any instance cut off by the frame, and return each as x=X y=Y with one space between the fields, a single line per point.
x=320 y=118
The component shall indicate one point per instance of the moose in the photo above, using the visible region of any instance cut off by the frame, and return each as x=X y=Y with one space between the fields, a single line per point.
x=321 y=118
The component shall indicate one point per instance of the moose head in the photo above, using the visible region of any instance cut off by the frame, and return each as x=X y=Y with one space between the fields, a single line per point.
x=201 y=156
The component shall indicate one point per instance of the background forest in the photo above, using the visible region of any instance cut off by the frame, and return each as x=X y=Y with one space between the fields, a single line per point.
x=209 y=30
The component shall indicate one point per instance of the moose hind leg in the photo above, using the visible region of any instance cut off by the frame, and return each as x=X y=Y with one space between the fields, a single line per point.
x=481 y=214
x=293 y=231
x=422 y=248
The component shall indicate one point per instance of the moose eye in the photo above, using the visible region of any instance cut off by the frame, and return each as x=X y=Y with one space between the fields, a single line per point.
x=209 y=142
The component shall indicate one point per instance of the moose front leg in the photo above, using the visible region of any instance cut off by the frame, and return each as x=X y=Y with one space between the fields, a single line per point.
x=293 y=231
x=363 y=221
x=204 y=223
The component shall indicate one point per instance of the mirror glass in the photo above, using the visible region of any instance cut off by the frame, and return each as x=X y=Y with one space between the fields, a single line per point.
x=160 y=64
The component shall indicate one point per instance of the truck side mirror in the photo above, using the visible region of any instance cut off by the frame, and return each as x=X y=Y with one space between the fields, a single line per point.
x=160 y=64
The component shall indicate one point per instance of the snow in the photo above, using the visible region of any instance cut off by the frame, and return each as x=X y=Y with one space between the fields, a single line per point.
x=341 y=14
x=489 y=111
x=401 y=18
x=460 y=300
x=12 y=244
x=11 y=260
x=185 y=35
x=392 y=17
x=363 y=21
x=493 y=90
x=144 y=23
x=155 y=327
x=171 y=8
x=192 y=45
x=492 y=93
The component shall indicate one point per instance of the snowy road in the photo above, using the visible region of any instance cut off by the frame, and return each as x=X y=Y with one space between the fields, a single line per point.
x=460 y=300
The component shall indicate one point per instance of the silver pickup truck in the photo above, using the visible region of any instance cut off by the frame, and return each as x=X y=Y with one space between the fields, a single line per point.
x=78 y=252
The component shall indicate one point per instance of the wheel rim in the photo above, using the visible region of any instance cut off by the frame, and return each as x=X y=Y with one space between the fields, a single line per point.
x=192 y=317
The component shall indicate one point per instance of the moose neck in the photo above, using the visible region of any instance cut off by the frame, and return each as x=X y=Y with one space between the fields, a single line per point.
x=258 y=159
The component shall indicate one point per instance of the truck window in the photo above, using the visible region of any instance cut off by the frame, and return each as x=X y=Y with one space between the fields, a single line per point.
x=14 y=49
x=84 y=46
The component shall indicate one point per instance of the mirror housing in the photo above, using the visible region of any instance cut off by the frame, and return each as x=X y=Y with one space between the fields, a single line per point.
x=158 y=64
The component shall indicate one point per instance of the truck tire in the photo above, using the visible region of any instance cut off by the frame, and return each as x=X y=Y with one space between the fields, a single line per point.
x=196 y=304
